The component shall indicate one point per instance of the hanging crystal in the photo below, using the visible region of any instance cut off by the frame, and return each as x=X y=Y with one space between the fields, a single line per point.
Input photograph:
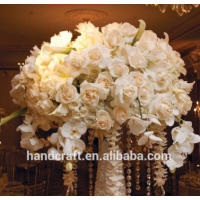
x=128 y=170
x=90 y=164
x=75 y=167
x=137 y=166
x=69 y=174
x=148 y=176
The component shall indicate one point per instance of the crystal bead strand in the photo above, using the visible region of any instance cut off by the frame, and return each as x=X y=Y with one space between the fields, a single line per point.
x=75 y=167
x=128 y=170
x=90 y=165
x=137 y=167
x=66 y=169
x=148 y=176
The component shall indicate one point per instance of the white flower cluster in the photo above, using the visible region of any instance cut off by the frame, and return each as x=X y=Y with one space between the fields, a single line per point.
x=100 y=81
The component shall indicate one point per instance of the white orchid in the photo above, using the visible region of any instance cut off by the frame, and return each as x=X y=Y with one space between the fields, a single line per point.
x=185 y=137
x=149 y=135
x=176 y=160
x=54 y=154
x=28 y=138
x=73 y=129
x=73 y=147
x=53 y=139
x=138 y=126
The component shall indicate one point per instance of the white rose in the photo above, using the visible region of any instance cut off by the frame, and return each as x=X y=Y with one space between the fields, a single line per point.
x=83 y=112
x=163 y=108
x=75 y=113
x=74 y=104
x=117 y=68
x=110 y=27
x=147 y=42
x=139 y=79
x=113 y=39
x=67 y=94
x=98 y=55
x=162 y=81
x=124 y=92
x=123 y=53
x=75 y=62
x=44 y=105
x=145 y=94
x=105 y=79
x=128 y=32
x=104 y=121
x=91 y=93
x=136 y=59
x=121 y=113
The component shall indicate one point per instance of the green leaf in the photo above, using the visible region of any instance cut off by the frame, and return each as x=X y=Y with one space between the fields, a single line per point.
x=13 y=115
x=140 y=32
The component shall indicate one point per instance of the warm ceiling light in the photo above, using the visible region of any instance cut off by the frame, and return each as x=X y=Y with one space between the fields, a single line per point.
x=85 y=15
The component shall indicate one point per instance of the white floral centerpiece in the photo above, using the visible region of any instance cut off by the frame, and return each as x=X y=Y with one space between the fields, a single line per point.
x=103 y=80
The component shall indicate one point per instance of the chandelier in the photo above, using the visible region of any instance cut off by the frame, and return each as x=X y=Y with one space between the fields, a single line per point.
x=179 y=8
x=197 y=110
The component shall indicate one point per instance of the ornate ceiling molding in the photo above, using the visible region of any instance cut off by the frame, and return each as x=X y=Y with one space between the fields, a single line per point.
x=85 y=14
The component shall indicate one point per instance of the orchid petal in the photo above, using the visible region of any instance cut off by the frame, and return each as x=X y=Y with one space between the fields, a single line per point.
x=66 y=130
x=53 y=139
x=194 y=138
x=154 y=138
x=81 y=127
x=143 y=140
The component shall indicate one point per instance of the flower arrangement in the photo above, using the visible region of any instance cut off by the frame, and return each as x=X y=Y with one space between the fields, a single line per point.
x=102 y=80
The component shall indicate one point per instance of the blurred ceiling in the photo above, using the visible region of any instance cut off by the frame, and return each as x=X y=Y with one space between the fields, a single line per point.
x=23 y=26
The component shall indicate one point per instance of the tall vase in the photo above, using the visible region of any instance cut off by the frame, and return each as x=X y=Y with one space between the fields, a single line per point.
x=110 y=179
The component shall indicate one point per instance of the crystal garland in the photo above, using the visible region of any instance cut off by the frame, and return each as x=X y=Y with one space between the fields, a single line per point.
x=68 y=177
x=75 y=170
x=137 y=166
x=90 y=164
x=148 y=176
x=128 y=165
